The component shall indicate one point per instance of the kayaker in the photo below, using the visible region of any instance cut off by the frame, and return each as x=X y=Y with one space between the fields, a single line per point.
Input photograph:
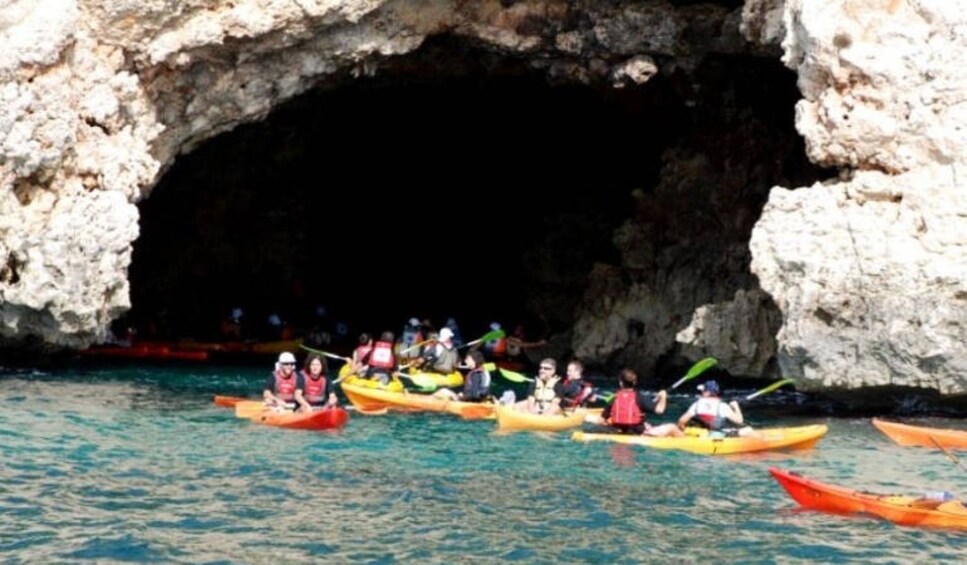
x=360 y=359
x=476 y=385
x=575 y=391
x=314 y=390
x=382 y=362
x=713 y=413
x=628 y=412
x=280 y=387
x=544 y=396
x=496 y=348
x=410 y=338
x=441 y=357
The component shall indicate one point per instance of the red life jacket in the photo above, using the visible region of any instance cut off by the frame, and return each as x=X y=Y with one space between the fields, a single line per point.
x=363 y=352
x=285 y=387
x=582 y=394
x=382 y=355
x=624 y=410
x=314 y=390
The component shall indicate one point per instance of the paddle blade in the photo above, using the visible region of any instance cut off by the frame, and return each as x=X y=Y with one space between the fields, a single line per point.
x=425 y=383
x=769 y=388
x=489 y=336
x=250 y=408
x=514 y=376
x=697 y=369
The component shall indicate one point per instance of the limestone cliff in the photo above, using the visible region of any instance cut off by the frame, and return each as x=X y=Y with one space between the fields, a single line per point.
x=847 y=284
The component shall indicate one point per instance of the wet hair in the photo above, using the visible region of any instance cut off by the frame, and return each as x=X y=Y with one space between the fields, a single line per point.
x=627 y=378
x=477 y=356
x=364 y=338
x=550 y=362
x=577 y=364
x=312 y=357
x=387 y=336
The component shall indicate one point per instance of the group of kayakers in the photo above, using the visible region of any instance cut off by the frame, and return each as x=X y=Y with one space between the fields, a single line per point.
x=549 y=393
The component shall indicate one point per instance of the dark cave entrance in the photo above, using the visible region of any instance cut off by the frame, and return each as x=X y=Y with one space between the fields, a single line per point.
x=419 y=192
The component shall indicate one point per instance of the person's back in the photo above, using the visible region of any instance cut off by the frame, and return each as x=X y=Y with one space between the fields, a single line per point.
x=382 y=362
x=713 y=413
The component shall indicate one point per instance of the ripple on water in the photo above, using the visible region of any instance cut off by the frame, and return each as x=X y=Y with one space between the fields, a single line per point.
x=139 y=466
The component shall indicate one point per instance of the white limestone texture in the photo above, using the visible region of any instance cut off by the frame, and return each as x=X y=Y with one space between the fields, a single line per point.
x=870 y=272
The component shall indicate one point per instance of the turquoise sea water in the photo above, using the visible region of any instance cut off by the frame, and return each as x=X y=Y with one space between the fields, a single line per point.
x=137 y=464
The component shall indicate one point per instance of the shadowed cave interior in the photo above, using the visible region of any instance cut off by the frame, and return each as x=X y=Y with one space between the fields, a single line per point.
x=438 y=188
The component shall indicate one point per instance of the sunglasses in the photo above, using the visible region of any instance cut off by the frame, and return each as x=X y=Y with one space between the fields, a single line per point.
x=546 y=368
x=287 y=364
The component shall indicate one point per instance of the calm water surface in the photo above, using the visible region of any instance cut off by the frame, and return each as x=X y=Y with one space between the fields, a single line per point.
x=122 y=464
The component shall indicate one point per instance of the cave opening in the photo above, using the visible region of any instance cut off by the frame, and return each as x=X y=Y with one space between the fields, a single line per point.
x=452 y=183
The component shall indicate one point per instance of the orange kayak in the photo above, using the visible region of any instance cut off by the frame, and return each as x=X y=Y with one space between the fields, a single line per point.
x=228 y=401
x=903 y=510
x=327 y=419
x=907 y=435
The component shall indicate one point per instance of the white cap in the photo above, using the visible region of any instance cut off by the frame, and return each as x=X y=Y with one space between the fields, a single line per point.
x=414 y=322
x=236 y=313
x=286 y=357
x=446 y=334
x=494 y=326
x=275 y=320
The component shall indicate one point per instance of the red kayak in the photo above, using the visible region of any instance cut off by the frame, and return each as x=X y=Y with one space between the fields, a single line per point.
x=144 y=351
x=328 y=419
x=929 y=511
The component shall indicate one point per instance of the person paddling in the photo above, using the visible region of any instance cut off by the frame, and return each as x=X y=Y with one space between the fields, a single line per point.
x=280 y=387
x=314 y=390
x=628 y=412
x=711 y=412
x=544 y=396
x=576 y=392
x=476 y=385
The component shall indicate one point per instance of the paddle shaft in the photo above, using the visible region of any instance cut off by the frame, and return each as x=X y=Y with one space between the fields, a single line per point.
x=948 y=453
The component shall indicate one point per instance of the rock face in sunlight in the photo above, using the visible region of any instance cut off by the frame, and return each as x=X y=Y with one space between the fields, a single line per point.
x=846 y=284
x=870 y=272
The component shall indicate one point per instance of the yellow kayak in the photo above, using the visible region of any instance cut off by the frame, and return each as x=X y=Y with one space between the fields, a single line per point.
x=451 y=380
x=510 y=419
x=370 y=399
x=698 y=440
x=356 y=380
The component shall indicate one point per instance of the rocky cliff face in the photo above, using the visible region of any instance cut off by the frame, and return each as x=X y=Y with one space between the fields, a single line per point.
x=863 y=278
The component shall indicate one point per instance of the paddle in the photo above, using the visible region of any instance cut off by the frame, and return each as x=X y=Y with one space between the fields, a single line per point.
x=766 y=390
x=511 y=376
x=695 y=370
x=949 y=454
x=489 y=336
x=326 y=354
x=425 y=383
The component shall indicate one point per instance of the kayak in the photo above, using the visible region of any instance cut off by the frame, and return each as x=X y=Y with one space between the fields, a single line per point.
x=450 y=380
x=907 y=435
x=929 y=511
x=372 y=399
x=511 y=419
x=699 y=441
x=144 y=351
x=327 y=419
x=353 y=380
x=228 y=401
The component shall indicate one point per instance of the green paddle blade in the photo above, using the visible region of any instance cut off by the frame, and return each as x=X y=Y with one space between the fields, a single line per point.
x=769 y=388
x=696 y=370
x=425 y=383
x=489 y=336
x=515 y=377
